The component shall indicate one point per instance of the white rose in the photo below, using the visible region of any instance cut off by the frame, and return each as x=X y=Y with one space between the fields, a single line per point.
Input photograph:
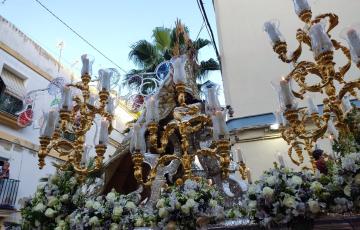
x=270 y=180
x=268 y=192
x=139 y=222
x=65 y=197
x=117 y=212
x=213 y=203
x=50 y=212
x=94 y=221
x=160 y=203
x=252 y=204
x=289 y=202
x=314 y=206
x=96 y=205
x=163 y=212
x=52 y=201
x=89 y=204
x=185 y=209
x=37 y=223
x=316 y=186
x=296 y=180
x=347 y=190
x=40 y=207
x=191 y=193
x=130 y=205
x=357 y=179
x=114 y=226
x=190 y=203
x=111 y=197
x=252 y=190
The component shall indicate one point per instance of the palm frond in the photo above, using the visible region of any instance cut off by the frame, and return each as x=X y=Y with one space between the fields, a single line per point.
x=206 y=66
x=162 y=38
x=200 y=43
x=144 y=54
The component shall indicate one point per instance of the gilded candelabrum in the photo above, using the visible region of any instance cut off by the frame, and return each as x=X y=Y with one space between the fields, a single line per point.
x=242 y=170
x=304 y=129
x=77 y=120
x=188 y=120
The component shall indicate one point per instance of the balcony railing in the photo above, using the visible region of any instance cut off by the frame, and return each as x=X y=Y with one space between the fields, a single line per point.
x=8 y=193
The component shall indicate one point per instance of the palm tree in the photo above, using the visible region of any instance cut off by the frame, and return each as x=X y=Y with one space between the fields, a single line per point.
x=165 y=44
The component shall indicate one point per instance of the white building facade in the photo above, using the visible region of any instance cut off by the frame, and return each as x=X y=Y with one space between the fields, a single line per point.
x=25 y=66
x=249 y=65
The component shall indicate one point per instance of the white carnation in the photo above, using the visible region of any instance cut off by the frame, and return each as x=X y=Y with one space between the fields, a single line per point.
x=213 y=203
x=268 y=192
x=117 y=212
x=314 y=206
x=94 y=221
x=114 y=226
x=185 y=209
x=289 y=201
x=89 y=204
x=139 y=222
x=163 y=212
x=40 y=207
x=50 y=212
x=160 y=203
x=130 y=205
x=296 y=180
x=271 y=180
x=316 y=186
x=111 y=197
x=191 y=203
x=357 y=179
x=52 y=201
x=96 y=205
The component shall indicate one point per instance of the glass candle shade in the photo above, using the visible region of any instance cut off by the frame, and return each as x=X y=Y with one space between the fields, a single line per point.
x=320 y=40
x=87 y=62
x=300 y=6
x=179 y=76
x=272 y=30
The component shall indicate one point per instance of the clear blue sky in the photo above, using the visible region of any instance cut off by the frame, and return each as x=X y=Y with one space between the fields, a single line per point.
x=111 y=25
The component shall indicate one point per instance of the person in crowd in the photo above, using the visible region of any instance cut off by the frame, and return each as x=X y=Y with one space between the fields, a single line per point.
x=5 y=172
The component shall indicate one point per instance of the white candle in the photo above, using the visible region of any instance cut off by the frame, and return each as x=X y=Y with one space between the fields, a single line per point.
x=354 y=41
x=220 y=128
x=301 y=5
x=179 y=75
x=212 y=99
x=104 y=133
x=137 y=138
x=104 y=80
x=320 y=41
x=332 y=130
x=274 y=34
x=50 y=124
x=312 y=108
x=346 y=104
x=286 y=93
x=66 y=98
x=92 y=100
x=281 y=160
x=110 y=106
x=87 y=65
x=150 y=115
x=239 y=155
x=86 y=155
x=248 y=174
x=278 y=117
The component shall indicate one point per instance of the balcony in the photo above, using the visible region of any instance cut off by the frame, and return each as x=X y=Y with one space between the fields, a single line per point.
x=8 y=193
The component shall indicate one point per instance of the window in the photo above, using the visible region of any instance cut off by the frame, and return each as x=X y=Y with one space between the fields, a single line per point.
x=12 y=91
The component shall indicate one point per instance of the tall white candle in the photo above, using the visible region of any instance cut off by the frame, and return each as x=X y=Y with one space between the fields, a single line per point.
x=301 y=5
x=312 y=108
x=221 y=127
x=248 y=174
x=66 y=98
x=110 y=106
x=274 y=34
x=104 y=76
x=179 y=75
x=280 y=159
x=137 y=138
x=104 y=133
x=92 y=99
x=346 y=104
x=332 y=130
x=86 y=155
x=50 y=124
x=354 y=41
x=212 y=99
x=86 y=67
x=320 y=41
x=150 y=115
x=239 y=155
x=286 y=93
x=278 y=117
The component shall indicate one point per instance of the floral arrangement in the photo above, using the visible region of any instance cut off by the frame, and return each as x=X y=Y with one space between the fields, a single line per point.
x=113 y=211
x=189 y=205
x=283 y=196
x=52 y=202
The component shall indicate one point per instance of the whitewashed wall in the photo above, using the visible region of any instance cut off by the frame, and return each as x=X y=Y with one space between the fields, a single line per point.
x=248 y=61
